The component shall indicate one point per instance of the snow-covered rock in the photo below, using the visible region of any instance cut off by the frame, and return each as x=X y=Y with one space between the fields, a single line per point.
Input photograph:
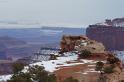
x=4 y=78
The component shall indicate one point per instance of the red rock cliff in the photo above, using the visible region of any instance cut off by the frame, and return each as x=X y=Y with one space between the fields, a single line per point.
x=111 y=35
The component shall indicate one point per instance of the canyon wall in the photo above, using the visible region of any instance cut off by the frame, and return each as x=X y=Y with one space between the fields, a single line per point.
x=110 y=35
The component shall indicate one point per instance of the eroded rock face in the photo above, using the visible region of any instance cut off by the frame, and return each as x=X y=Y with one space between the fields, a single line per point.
x=79 y=43
x=68 y=42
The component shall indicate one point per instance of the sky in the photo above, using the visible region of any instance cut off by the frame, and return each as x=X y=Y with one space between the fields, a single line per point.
x=61 y=12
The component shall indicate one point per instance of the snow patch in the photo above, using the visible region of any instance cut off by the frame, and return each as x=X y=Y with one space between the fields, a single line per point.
x=4 y=78
x=53 y=65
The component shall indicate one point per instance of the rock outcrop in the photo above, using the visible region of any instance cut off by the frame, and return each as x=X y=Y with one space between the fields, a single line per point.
x=69 y=43
x=86 y=72
x=91 y=45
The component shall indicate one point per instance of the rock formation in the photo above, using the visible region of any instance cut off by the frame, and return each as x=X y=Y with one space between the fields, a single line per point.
x=91 y=45
x=69 y=43
x=110 y=33
x=86 y=72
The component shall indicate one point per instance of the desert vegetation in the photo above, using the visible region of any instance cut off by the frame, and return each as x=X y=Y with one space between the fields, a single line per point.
x=34 y=74
x=84 y=54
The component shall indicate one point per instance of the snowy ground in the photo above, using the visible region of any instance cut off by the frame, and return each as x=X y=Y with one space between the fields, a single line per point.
x=53 y=65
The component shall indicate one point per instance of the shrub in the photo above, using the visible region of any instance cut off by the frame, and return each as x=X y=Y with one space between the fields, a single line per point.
x=70 y=79
x=99 y=66
x=34 y=74
x=109 y=69
x=52 y=78
x=122 y=81
x=21 y=77
x=35 y=69
x=53 y=57
x=40 y=75
x=85 y=54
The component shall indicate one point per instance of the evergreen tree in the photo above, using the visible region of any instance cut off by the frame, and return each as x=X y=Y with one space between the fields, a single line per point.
x=21 y=77
x=109 y=69
x=85 y=54
x=34 y=74
x=17 y=67
x=40 y=75
x=99 y=66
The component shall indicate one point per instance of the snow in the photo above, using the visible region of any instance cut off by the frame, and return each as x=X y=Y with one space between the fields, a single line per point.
x=84 y=73
x=91 y=65
x=87 y=61
x=120 y=55
x=88 y=70
x=103 y=23
x=68 y=59
x=53 y=65
x=92 y=70
x=4 y=78
x=90 y=61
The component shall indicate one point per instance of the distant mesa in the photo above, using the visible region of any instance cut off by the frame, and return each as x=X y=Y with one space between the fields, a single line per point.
x=110 y=33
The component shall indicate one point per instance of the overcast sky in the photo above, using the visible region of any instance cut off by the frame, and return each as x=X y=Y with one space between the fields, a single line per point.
x=61 y=12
